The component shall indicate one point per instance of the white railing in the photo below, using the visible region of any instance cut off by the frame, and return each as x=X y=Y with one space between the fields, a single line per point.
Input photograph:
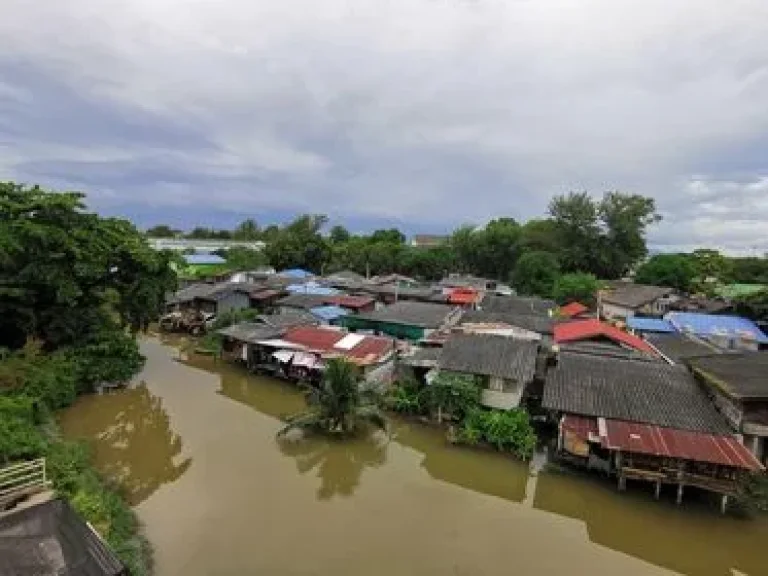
x=22 y=479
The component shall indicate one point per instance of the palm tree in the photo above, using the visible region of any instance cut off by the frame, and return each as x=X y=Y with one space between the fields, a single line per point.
x=338 y=406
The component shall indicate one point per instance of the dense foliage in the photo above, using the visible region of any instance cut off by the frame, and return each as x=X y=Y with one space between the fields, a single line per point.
x=506 y=430
x=536 y=274
x=576 y=287
x=72 y=285
x=339 y=405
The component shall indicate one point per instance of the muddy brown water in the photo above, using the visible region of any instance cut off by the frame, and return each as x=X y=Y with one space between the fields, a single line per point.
x=193 y=445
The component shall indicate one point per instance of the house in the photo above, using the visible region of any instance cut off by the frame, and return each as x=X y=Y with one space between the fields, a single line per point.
x=301 y=353
x=357 y=303
x=643 y=421
x=594 y=330
x=626 y=299
x=296 y=274
x=428 y=240
x=404 y=319
x=517 y=305
x=212 y=298
x=572 y=310
x=264 y=299
x=640 y=325
x=738 y=384
x=502 y=366
x=468 y=281
x=727 y=332
x=51 y=538
x=311 y=287
x=522 y=326
x=300 y=302
x=237 y=337
x=328 y=315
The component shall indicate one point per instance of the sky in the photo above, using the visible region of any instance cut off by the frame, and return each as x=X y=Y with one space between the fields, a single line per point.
x=424 y=114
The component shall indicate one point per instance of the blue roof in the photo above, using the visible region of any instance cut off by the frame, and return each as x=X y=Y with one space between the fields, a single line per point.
x=204 y=259
x=715 y=325
x=296 y=273
x=650 y=324
x=311 y=288
x=329 y=313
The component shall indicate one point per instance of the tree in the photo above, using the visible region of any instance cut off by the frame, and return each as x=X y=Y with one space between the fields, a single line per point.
x=67 y=273
x=247 y=230
x=496 y=248
x=625 y=218
x=453 y=395
x=162 y=231
x=392 y=235
x=539 y=234
x=673 y=270
x=754 y=306
x=338 y=406
x=749 y=270
x=577 y=226
x=299 y=244
x=711 y=264
x=240 y=258
x=535 y=274
x=577 y=286
x=338 y=234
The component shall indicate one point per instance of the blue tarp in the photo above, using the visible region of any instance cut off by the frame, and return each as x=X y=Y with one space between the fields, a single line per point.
x=193 y=259
x=328 y=313
x=297 y=273
x=650 y=325
x=715 y=325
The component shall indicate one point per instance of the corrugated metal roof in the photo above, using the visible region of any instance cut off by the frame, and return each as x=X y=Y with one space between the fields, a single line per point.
x=203 y=259
x=634 y=296
x=740 y=375
x=370 y=350
x=420 y=314
x=463 y=296
x=650 y=325
x=592 y=328
x=572 y=310
x=709 y=325
x=678 y=347
x=582 y=426
x=311 y=288
x=352 y=302
x=672 y=443
x=329 y=313
x=516 y=304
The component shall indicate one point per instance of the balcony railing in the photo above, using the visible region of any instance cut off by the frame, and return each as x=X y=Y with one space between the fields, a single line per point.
x=22 y=479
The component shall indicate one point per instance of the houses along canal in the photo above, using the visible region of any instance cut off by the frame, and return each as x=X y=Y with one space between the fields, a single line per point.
x=193 y=446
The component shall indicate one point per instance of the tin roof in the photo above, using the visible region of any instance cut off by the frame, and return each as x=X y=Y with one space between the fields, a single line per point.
x=351 y=302
x=365 y=349
x=203 y=259
x=633 y=296
x=463 y=296
x=743 y=376
x=709 y=325
x=650 y=325
x=582 y=426
x=516 y=304
x=593 y=328
x=295 y=273
x=490 y=355
x=672 y=443
x=572 y=310
x=328 y=313
x=421 y=314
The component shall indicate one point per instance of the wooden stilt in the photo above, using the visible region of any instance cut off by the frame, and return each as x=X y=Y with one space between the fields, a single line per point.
x=658 y=489
x=724 y=504
x=679 y=494
x=622 y=483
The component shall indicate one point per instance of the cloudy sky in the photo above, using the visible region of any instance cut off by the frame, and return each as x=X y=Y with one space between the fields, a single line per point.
x=421 y=113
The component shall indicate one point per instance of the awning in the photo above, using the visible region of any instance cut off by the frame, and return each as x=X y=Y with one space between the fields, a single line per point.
x=283 y=355
x=304 y=360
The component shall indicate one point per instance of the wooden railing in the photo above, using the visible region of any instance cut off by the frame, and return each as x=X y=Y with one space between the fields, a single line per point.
x=23 y=479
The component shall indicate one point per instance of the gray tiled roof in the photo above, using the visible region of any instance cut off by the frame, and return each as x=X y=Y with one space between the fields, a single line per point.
x=288 y=319
x=422 y=314
x=631 y=295
x=606 y=349
x=249 y=332
x=680 y=347
x=534 y=322
x=304 y=301
x=490 y=355
x=742 y=375
x=651 y=393
x=516 y=305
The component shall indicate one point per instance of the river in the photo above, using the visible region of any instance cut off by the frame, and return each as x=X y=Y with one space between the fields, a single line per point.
x=192 y=442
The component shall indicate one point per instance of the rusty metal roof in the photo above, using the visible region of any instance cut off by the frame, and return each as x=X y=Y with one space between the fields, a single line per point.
x=593 y=328
x=672 y=443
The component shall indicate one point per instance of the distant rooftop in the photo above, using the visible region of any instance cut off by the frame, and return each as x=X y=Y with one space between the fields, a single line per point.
x=203 y=259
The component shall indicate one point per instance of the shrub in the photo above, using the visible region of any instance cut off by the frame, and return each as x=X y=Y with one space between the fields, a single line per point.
x=506 y=430
x=406 y=397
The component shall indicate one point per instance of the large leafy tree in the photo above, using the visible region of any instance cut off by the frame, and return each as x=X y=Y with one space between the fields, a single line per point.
x=67 y=274
x=338 y=406
x=579 y=286
x=673 y=270
x=452 y=395
x=300 y=244
x=247 y=230
x=577 y=225
x=536 y=273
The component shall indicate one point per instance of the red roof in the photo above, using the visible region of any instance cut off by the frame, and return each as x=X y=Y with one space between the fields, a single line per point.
x=369 y=350
x=352 y=302
x=672 y=443
x=265 y=294
x=573 y=309
x=582 y=426
x=593 y=328
x=462 y=296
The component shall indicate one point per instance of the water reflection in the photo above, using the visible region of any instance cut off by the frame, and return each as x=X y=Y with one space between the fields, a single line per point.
x=339 y=463
x=485 y=472
x=692 y=539
x=131 y=435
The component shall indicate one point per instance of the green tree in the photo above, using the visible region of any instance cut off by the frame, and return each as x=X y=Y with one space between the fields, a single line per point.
x=754 y=306
x=673 y=270
x=392 y=236
x=749 y=270
x=162 y=231
x=452 y=395
x=497 y=248
x=539 y=235
x=338 y=406
x=247 y=230
x=300 y=244
x=625 y=218
x=577 y=286
x=338 y=234
x=464 y=243
x=240 y=258
x=577 y=225
x=536 y=273
x=711 y=264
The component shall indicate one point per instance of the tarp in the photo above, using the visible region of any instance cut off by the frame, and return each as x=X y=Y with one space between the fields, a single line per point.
x=284 y=355
x=304 y=360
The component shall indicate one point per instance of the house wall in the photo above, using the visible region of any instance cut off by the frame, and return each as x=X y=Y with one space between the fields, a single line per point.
x=613 y=311
x=233 y=301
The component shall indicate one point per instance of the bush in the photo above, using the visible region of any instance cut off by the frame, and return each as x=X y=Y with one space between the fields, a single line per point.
x=506 y=430
x=453 y=395
x=406 y=397
x=19 y=437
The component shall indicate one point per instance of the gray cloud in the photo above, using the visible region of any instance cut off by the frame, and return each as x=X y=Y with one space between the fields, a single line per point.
x=421 y=111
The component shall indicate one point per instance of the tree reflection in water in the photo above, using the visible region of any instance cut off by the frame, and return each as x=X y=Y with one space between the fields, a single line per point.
x=339 y=462
x=133 y=442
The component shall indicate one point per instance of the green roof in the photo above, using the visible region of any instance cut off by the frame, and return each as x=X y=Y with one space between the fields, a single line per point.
x=738 y=290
